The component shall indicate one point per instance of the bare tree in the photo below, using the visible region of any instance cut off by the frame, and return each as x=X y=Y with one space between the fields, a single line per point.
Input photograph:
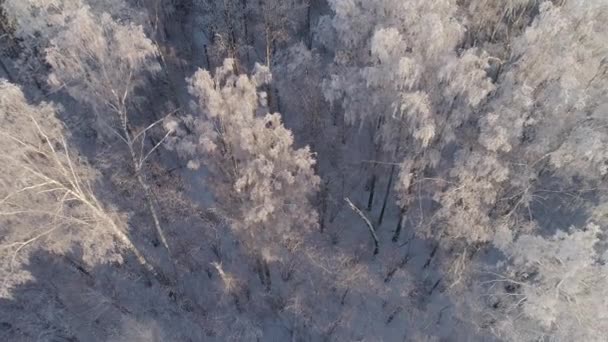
x=47 y=198
x=101 y=63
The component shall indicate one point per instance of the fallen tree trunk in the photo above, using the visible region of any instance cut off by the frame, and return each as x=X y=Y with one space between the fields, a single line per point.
x=367 y=222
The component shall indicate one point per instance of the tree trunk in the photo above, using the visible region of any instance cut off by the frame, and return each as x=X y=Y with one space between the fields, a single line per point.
x=268 y=46
x=324 y=193
x=152 y=209
x=207 y=57
x=374 y=156
x=122 y=237
x=233 y=43
x=388 y=191
x=399 y=225
x=263 y=272
x=260 y=269
x=267 y=275
x=309 y=26
x=246 y=30
x=269 y=96
x=277 y=100
x=431 y=256
x=146 y=188
x=372 y=188
x=334 y=116
x=140 y=257
x=435 y=286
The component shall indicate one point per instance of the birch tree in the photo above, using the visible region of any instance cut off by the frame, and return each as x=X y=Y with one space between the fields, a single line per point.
x=102 y=63
x=47 y=198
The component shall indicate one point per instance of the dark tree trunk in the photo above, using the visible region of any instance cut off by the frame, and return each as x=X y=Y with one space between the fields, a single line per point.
x=267 y=275
x=399 y=225
x=435 y=286
x=309 y=26
x=277 y=100
x=431 y=256
x=263 y=272
x=269 y=97
x=375 y=155
x=324 y=193
x=388 y=191
x=207 y=57
x=372 y=189
x=246 y=30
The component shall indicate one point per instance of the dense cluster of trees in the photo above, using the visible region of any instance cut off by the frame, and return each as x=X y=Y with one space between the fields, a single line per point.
x=158 y=156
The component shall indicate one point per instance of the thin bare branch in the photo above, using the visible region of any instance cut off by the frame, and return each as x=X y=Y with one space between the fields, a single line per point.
x=142 y=160
x=152 y=125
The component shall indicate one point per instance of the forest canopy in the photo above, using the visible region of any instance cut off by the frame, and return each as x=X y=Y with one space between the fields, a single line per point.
x=303 y=170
